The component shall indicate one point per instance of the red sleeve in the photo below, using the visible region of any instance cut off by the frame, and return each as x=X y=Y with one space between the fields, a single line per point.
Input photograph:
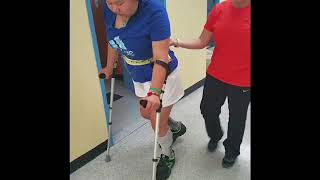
x=212 y=19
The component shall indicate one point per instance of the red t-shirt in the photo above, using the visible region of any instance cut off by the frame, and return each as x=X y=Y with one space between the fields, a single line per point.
x=231 y=29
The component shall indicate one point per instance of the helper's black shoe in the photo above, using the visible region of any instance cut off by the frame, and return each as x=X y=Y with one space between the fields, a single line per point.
x=176 y=133
x=212 y=145
x=228 y=160
x=165 y=166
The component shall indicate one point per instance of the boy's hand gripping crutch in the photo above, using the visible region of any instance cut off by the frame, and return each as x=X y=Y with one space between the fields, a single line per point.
x=144 y=104
x=103 y=76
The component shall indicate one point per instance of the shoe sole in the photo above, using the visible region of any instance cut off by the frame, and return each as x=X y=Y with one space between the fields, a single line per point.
x=226 y=164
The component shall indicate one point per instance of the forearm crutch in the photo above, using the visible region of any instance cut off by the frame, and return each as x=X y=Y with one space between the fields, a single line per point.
x=144 y=104
x=103 y=76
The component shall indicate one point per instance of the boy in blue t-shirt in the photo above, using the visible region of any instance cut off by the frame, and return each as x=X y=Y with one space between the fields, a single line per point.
x=140 y=31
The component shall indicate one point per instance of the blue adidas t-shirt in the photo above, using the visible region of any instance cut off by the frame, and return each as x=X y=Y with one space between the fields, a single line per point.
x=149 y=23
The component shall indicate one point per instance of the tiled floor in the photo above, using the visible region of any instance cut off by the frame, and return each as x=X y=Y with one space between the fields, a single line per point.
x=133 y=149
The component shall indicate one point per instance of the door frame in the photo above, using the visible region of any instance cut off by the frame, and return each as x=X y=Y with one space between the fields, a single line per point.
x=98 y=63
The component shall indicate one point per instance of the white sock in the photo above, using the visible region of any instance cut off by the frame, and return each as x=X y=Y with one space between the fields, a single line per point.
x=165 y=143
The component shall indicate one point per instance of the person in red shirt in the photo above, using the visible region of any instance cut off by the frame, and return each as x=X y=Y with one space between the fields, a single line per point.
x=228 y=75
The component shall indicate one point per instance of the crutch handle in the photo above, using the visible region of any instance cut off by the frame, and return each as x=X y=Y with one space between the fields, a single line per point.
x=102 y=76
x=143 y=103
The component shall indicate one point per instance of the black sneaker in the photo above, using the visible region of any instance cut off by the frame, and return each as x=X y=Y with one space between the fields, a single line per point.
x=212 y=145
x=165 y=166
x=228 y=160
x=176 y=133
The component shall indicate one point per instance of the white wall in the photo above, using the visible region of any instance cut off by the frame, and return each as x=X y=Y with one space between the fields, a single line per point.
x=187 y=18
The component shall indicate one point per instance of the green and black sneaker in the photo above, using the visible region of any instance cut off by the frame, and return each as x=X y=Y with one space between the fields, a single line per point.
x=176 y=133
x=165 y=166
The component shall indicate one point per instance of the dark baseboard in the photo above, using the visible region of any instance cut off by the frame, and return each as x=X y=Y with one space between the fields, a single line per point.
x=87 y=157
x=194 y=87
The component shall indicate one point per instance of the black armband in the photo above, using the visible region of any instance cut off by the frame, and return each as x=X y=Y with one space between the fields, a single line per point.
x=165 y=66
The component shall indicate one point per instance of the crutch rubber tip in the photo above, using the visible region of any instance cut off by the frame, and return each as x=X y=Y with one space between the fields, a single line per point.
x=108 y=159
x=102 y=76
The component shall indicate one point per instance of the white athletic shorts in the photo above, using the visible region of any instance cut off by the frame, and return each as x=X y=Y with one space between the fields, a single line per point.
x=173 y=91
